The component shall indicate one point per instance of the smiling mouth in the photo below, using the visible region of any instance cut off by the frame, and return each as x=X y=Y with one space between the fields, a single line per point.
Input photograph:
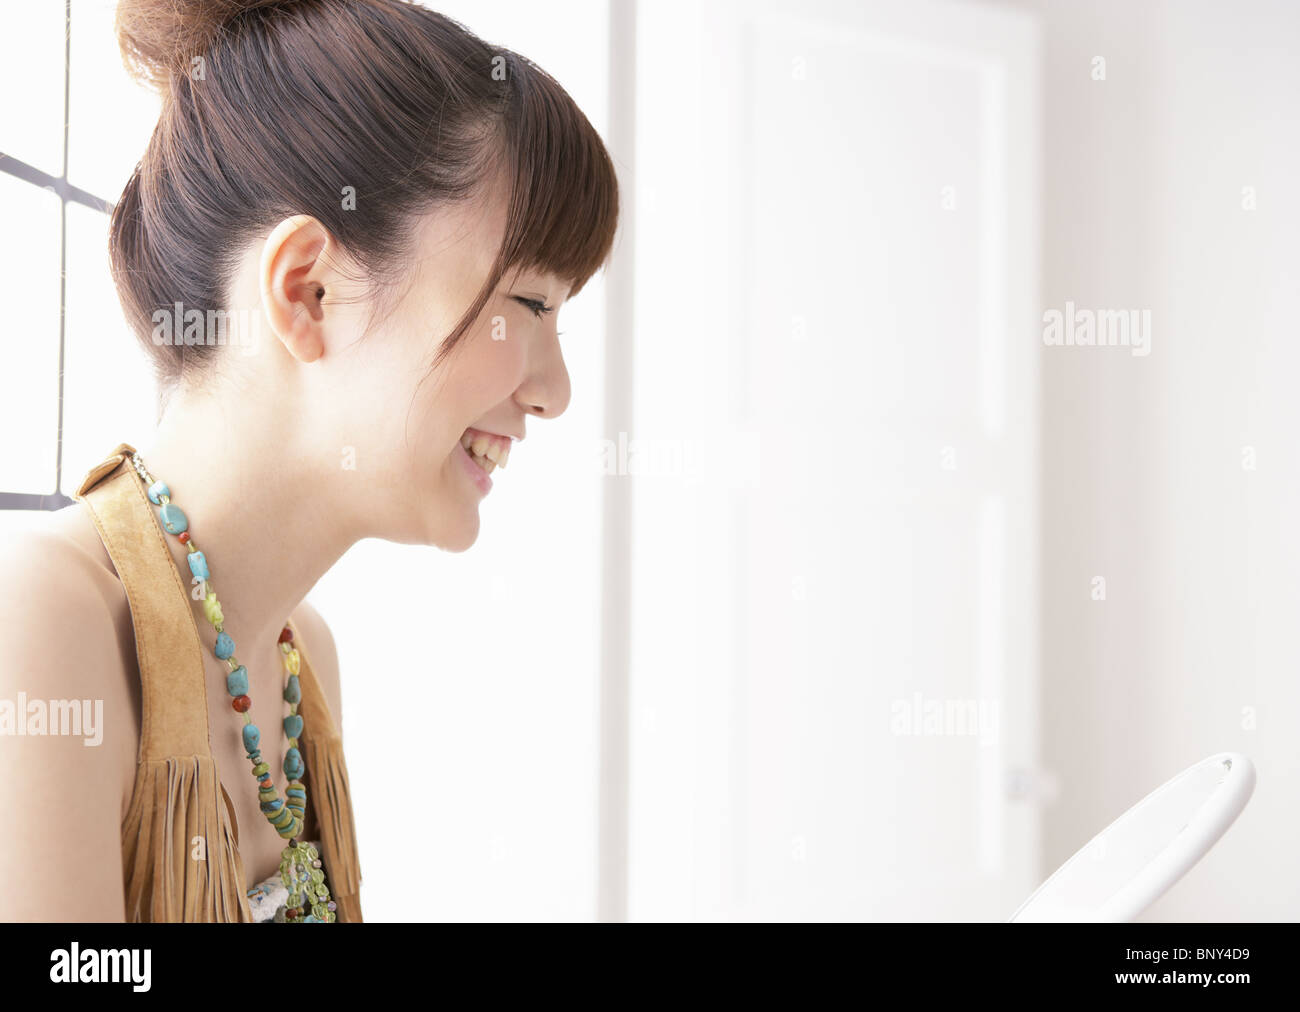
x=487 y=451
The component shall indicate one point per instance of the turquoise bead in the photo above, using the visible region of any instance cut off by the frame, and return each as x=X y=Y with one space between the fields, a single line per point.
x=225 y=645
x=292 y=691
x=252 y=737
x=198 y=565
x=293 y=725
x=272 y=805
x=293 y=764
x=173 y=519
x=237 y=681
x=157 y=490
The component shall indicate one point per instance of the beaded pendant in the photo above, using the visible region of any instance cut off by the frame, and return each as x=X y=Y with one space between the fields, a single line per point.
x=300 y=871
x=300 y=865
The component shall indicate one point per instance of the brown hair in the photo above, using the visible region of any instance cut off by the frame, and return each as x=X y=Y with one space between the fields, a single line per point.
x=272 y=107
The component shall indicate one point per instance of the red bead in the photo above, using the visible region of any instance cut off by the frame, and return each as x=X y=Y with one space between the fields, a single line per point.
x=291 y=912
x=183 y=537
x=241 y=704
x=286 y=635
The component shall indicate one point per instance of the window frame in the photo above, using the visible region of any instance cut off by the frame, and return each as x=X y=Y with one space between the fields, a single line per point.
x=67 y=193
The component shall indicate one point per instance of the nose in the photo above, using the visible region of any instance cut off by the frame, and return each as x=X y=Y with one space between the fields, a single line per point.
x=546 y=391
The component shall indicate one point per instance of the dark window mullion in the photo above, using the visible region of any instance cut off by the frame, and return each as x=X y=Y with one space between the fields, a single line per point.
x=31 y=501
x=19 y=169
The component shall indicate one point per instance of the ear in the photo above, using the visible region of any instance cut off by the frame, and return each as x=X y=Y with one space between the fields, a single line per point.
x=293 y=277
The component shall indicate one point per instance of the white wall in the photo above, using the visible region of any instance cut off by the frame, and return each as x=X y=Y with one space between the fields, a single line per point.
x=1193 y=650
x=843 y=362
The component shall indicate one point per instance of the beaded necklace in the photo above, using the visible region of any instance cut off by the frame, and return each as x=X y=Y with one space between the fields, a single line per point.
x=300 y=865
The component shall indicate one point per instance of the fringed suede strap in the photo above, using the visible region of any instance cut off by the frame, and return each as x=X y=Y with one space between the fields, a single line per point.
x=180 y=858
x=175 y=710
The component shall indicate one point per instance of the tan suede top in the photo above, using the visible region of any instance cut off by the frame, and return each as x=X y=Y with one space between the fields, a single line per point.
x=178 y=794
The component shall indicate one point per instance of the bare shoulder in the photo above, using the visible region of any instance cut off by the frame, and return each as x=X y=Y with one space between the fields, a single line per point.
x=56 y=592
x=66 y=621
x=67 y=760
x=318 y=643
x=67 y=544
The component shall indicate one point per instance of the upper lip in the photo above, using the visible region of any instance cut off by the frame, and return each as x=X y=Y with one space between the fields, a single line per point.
x=500 y=435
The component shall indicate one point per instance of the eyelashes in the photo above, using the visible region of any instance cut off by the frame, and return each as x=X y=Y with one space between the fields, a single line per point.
x=539 y=309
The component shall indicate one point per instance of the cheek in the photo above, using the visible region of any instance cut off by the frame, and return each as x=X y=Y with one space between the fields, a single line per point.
x=463 y=392
x=504 y=367
x=490 y=372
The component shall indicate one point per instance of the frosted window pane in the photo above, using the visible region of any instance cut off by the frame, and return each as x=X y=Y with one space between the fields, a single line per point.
x=31 y=81
x=29 y=347
x=110 y=117
x=108 y=392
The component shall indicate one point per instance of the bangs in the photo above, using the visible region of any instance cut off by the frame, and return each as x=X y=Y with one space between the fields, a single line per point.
x=563 y=210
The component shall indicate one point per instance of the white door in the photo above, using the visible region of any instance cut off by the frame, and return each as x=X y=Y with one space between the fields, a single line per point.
x=835 y=534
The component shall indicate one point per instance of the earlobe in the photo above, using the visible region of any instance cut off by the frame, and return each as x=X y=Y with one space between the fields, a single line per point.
x=292 y=276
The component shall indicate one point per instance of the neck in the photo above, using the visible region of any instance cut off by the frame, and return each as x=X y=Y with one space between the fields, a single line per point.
x=266 y=512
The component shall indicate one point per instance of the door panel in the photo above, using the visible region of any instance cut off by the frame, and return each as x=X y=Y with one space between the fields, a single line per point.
x=834 y=633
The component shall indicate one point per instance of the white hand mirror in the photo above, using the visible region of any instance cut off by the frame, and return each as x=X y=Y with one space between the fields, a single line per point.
x=1133 y=861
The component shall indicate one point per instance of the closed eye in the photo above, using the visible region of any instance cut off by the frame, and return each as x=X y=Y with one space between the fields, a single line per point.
x=539 y=309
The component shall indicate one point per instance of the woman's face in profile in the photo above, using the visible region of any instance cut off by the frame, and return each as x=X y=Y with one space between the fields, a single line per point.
x=411 y=421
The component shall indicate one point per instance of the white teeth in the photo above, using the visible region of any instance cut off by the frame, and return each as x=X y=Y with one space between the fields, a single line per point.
x=489 y=452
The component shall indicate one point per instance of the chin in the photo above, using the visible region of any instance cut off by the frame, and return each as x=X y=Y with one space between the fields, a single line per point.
x=461 y=536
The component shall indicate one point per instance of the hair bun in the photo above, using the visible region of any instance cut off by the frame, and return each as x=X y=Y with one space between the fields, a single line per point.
x=160 y=38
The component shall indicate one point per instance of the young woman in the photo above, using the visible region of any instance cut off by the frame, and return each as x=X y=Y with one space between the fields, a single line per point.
x=345 y=249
